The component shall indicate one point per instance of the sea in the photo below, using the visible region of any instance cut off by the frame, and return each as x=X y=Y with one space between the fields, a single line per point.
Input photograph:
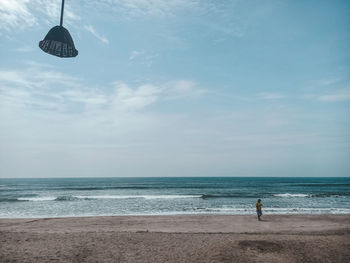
x=72 y=197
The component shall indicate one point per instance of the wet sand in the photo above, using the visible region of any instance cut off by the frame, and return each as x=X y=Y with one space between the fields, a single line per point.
x=185 y=238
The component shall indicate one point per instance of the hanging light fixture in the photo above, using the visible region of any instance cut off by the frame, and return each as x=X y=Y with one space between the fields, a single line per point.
x=58 y=41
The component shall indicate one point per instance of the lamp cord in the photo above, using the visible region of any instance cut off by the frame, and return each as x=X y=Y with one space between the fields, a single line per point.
x=62 y=13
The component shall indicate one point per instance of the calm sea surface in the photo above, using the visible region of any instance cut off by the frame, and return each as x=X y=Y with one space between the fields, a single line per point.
x=153 y=196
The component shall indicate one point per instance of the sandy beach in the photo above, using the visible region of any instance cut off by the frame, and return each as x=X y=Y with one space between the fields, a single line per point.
x=185 y=238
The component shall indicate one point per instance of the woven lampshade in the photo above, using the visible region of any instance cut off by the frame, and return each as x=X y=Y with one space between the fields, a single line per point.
x=58 y=42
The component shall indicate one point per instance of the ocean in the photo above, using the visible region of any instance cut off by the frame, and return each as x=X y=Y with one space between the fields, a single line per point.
x=66 y=197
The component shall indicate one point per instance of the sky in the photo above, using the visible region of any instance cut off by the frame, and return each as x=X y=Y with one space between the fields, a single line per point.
x=176 y=88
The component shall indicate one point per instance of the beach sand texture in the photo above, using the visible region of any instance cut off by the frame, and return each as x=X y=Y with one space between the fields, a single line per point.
x=177 y=238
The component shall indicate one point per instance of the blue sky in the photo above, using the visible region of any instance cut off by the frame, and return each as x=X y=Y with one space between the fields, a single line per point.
x=176 y=88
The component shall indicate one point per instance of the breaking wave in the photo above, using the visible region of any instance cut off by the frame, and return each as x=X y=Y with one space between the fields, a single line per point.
x=237 y=195
x=92 y=197
x=136 y=196
x=292 y=195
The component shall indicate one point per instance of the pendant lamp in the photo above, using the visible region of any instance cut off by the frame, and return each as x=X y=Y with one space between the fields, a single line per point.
x=58 y=41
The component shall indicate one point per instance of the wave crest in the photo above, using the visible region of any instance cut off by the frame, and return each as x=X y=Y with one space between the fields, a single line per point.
x=292 y=195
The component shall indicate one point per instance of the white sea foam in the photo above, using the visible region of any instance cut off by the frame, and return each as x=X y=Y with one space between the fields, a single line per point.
x=307 y=210
x=75 y=197
x=135 y=196
x=276 y=211
x=292 y=195
x=37 y=199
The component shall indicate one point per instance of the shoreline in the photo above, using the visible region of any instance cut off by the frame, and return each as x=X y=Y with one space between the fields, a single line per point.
x=179 y=214
x=187 y=222
x=177 y=238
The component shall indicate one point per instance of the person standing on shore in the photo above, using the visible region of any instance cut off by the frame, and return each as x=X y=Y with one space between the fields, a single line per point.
x=258 y=208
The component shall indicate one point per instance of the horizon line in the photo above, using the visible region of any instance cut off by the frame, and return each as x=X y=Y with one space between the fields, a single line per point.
x=105 y=177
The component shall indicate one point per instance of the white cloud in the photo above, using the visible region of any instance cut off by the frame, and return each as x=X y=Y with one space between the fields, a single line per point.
x=128 y=99
x=343 y=95
x=22 y=14
x=133 y=8
x=93 y=31
x=331 y=80
x=51 y=111
x=142 y=57
x=226 y=28
x=271 y=96
x=39 y=84
x=15 y=14
x=53 y=119
x=182 y=88
x=25 y=49
x=135 y=53
x=335 y=96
